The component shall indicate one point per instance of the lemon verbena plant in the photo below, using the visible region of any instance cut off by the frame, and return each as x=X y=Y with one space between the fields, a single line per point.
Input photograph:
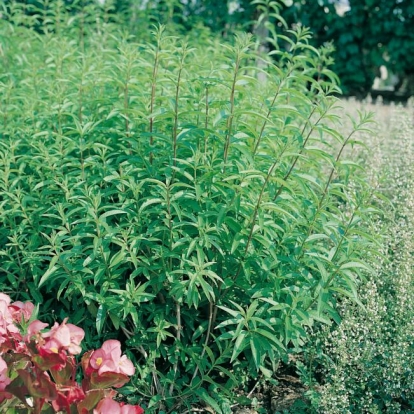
x=157 y=192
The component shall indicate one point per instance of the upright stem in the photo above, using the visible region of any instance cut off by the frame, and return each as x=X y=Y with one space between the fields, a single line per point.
x=251 y=224
x=80 y=114
x=269 y=112
x=58 y=17
x=325 y=193
x=153 y=88
x=82 y=28
x=170 y=224
x=287 y=175
x=231 y=116
x=255 y=212
x=5 y=106
x=261 y=31
x=126 y=103
x=178 y=339
x=177 y=94
x=82 y=160
x=210 y=324
x=206 y=123
x=80 y=102
x=335 y=272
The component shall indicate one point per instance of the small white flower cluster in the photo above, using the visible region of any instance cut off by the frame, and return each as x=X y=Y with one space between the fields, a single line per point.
x=370 y=358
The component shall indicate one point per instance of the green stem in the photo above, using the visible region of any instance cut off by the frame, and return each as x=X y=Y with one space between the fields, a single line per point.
x=333 y=275
x=177 y=93
x=206 y=123
x=324 y=194
x=153 y=89
x=295 y=160
x=269 y=112
x=231 y=115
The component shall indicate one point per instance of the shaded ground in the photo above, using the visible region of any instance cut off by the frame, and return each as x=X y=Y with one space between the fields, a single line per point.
x=286 y=396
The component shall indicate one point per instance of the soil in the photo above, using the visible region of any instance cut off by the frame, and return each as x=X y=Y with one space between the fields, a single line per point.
x=288 y=394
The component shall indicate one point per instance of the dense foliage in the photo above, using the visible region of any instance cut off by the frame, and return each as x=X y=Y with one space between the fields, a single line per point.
x=188 y=196
x=366 y=35
x=367 y=361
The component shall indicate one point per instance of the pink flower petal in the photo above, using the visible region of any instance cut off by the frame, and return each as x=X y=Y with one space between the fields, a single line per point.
x=108 y=366
x=3 y=365
x=131 y=409
x=76 y=336
x=112 y=349
x=97 y=358
x=34 y=329
x=4 y=379
x=126 y=366
x=20 y=310
x=5 y=298
x=107 y=406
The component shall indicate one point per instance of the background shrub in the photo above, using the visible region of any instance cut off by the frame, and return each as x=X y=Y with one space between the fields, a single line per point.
x=367 y=360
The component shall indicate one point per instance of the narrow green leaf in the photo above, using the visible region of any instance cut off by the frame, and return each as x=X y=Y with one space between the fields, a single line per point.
x=204 y=395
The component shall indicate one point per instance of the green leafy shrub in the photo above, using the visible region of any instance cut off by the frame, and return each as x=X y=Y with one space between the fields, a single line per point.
x=158 y=193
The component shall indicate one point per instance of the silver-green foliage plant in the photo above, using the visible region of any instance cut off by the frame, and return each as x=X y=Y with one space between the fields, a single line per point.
x=369 y=365
x=157 y=192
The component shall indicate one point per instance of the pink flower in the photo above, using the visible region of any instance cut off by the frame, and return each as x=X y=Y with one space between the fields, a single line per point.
x=5 y=298
x=131 y=409
x=21 y=311
x=65 y=336
x=11 y=313
x=8 y=329
x=51 y=346
x=76 y=336
x=6 y=320
x=109 y=359
x=4 y=379
x=34 y=329
x=50 y=356
x=107 y=406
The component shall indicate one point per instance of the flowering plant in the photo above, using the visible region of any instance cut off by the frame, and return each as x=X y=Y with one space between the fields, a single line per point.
x=38 y=367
